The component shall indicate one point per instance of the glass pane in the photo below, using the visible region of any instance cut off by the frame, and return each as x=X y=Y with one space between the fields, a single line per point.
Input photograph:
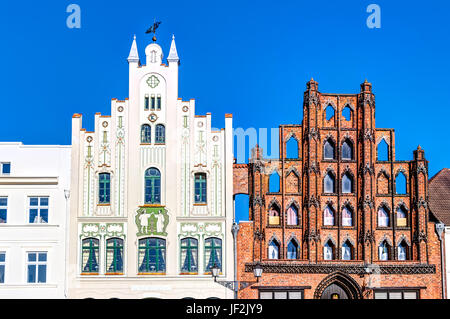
x=410 y=295
x=32 y=257
x=3 y=201
x=33 y=216
x=44 y=201
x=395 y=295
x=2 y=257
x=280 y=295
x=43 y=257
x=3 y=216
x=31 y=274
x=380 y=295
x=42 y=273
x=34 y=201
x=265 y=295
x=2 y=274
x=295 y=295
x=6 y=168
x=44 y=216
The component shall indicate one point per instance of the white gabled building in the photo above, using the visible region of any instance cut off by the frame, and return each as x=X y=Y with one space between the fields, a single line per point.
x=152 y=193
x=34 y=191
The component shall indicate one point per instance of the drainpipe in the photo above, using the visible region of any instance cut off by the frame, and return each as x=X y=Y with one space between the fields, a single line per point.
x=235 y=230
x=66 y=244
x=440 y=227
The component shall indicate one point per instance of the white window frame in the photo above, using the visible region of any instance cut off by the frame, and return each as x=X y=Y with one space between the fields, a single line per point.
x=36 y=263
x=5 y=207
x=38 y=207
x=1 y=168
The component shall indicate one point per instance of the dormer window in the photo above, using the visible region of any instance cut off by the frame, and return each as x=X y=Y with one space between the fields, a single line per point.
x=6 y=168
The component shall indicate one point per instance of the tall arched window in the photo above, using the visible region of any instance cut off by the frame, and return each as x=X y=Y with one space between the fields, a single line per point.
x=347 y=250
x=114 y=256
x=347 y=183
x=384 y=251
x=200 y=188
x=104 y=188
x=160 y=137
x=274 y=183
x=274 y=249
x=328 y=250
x=152 y=186
x=274 y=214
x=292 y=250
x=146 y=134
x=189 y=255
x=383 y=151
x=402 y=220
x=400 y=184
x=347 y=150
x=383 y=217
x=329 y=112
x=213 y=253
x=347 y=113
x=292 y=148
x=89 y=255
x=402 y=250
x=328 y=216
x=328 y=150
x=152 y=256
x=347 y=217
x=292 y=215
x=329 y=184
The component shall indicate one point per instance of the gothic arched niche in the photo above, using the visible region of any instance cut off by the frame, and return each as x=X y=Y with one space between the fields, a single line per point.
x=339 y=284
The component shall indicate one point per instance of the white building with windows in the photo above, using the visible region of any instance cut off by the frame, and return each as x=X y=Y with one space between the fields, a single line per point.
x=34 y=190
x=151 y=206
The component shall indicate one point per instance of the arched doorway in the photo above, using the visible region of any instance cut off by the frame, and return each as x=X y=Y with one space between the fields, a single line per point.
x=338 y=286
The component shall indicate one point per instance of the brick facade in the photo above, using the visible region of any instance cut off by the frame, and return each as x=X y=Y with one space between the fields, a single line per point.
x=373 y=187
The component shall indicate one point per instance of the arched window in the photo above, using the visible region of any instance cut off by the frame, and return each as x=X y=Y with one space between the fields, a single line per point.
x=347 y=217
x=189 y=255
x=328 y=149
x=104 y=188
x=347 y=113
x=400 y=184
x=152 y=186
x=146 y=134
x=383 y=151
x=292 y=215
x=347 y=183
x=347 y=251
x=328 y=184
x=402 y=220
x=274 y=215
x=274 y=183
x=292 y=148
x=329 y=112
x=402 y=251
x=384 y=251
x=89 y=255
x=347 y=150
x=160 y=137
x=328 y=216
x=213 y=253
x=114 y=256
x=200 y=188
x=274 y=249
x=383 y=217
x=152 y=256
x=292 y=250
x=328 y=250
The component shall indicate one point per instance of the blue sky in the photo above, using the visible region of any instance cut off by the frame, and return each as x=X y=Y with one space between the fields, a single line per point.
x=252 y=59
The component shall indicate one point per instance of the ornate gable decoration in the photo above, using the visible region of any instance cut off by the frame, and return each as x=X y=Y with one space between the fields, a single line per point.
x=153 y=81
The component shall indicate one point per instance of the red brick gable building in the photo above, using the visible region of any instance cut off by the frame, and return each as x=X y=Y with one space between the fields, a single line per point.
x=336 y=219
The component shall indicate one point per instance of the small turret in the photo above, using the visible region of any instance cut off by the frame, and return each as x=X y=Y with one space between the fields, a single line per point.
x=134 y=55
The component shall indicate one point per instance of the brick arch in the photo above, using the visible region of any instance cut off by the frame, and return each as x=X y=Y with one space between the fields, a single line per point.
x=347 y=283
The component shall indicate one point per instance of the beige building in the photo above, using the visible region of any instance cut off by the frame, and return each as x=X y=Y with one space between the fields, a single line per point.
x=151 y=206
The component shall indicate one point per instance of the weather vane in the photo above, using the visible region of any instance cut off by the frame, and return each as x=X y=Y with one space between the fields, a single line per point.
x=153 y=29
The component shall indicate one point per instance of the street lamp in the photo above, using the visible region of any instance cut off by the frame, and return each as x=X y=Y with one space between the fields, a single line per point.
x=215 y=270
x=237 y=285
x=257 y=271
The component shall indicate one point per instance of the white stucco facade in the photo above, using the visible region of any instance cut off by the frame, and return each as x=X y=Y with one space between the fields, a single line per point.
x=32 y=248
x=152 y=193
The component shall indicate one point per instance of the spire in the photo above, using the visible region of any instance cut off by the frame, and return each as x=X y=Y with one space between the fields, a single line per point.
x=173 y=54
x=134 y=55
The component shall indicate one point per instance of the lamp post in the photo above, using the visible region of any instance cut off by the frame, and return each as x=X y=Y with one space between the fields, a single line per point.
x=236 y=285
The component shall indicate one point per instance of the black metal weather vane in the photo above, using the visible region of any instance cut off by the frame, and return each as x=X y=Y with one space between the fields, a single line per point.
x=153 y=29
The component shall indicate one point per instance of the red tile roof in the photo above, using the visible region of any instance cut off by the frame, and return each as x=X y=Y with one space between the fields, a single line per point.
x=439 y=195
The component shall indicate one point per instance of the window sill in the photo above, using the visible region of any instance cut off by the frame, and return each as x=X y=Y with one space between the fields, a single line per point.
x=189 y=273
x=90 y=274
x=160 y=144
x=114 y=274
x=383 y=228
x=104 y=205
x=151 y=274
x=201 y=204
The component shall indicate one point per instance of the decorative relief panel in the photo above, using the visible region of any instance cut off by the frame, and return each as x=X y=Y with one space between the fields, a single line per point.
x=102 y=230
x=201 y=230
x=152 y=221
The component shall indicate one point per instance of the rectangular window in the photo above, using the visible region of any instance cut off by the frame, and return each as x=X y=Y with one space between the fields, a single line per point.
x=2 y=267
x=37 y=267
x=38 y=210
x=396 y=294
x=3 y=210
x=158 y=103
x=281 y=294
x=104 y=188
x=146 y=103
x=153 y=102
x=200 y=188
x=6 y=168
